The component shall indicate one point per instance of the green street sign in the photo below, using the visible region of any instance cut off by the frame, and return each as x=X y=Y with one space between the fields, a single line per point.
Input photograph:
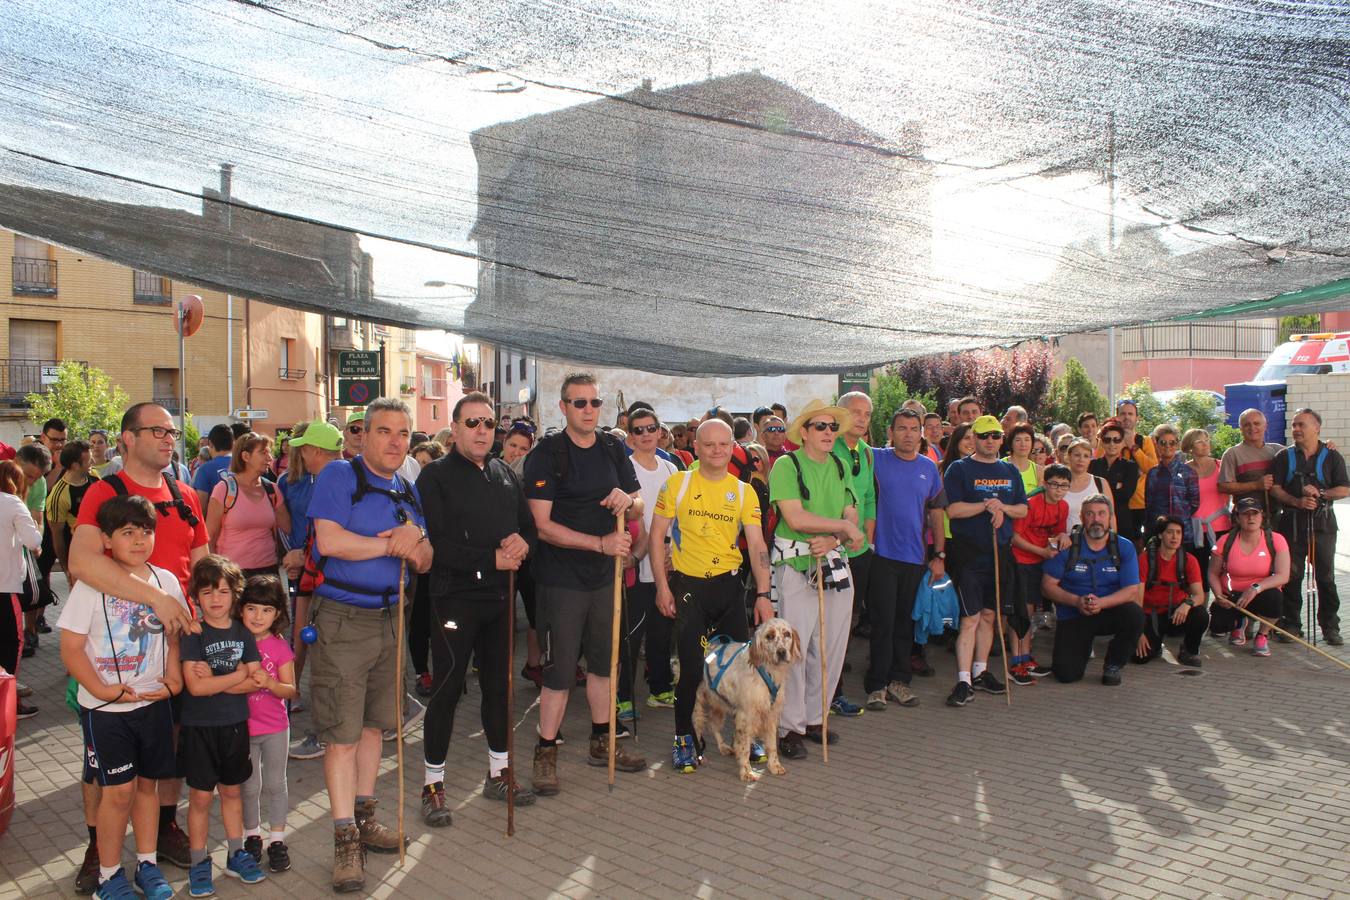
x=357 y=391
x=359 y=364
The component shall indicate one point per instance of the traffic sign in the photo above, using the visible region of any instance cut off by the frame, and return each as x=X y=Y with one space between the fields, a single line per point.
x=359 y=364
x=250 y=414
x=357 y=391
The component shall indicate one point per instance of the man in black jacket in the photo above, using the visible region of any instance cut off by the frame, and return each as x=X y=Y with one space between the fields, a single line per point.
x=479 y=521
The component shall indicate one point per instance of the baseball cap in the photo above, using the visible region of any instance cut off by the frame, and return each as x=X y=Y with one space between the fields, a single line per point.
x=1247 y=504
x=357 y=416
x=321 y=435
x=986 y=424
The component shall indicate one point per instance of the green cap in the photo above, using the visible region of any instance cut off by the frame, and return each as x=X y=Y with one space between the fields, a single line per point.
x=321 y=435
x=358 y=416
x=986 y=424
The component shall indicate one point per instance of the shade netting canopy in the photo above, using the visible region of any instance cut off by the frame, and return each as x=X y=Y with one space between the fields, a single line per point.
x=700 y=187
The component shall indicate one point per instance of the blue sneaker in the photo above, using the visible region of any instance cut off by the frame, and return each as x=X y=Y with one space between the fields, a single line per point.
x=115 y=888
x=243 y=866
x=842 y=707
x=684 y=755
x=626 y=712
x=757 y=754
x=199 y=880
x=152 y=883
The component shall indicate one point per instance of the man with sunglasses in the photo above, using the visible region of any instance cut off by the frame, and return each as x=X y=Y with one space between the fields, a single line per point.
x=984 y=495
x=818 y=515
x=1140 y=448
x=772 y=432
x=577 y=481
x=481 y=529
x=854 y=452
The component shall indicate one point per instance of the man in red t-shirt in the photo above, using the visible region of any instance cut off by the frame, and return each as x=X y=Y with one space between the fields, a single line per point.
x=1037 y=537
x=149 y=434
x=1170 y=607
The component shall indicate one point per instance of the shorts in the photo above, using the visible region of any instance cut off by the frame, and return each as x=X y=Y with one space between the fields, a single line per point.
x=570 y=622
x=210 y=755
x=972 y=571
x=1029 y=584
x=122 y=746
x=352 y=669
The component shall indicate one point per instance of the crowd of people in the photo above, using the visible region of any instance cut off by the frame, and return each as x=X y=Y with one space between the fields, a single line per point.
x=198 y=598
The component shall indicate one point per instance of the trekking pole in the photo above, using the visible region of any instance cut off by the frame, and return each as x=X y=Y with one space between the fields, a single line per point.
x=398 y=703
x=998 y=617
x=1314 y=595
x=510 y=704
x=1298 y=640
x=614 y=652
x=824 y=669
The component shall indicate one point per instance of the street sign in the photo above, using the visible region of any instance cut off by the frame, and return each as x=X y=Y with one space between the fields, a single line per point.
x=49 y=374
x=855 y=381
x=357 y=391
x=359 y=364
x=250 y=414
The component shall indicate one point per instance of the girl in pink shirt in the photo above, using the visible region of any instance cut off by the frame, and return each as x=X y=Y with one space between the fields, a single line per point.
x=1256 y=567
x=262 y=609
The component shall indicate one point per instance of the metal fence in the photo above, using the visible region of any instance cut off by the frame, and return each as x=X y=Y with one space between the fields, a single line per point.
x=34 y=275
x=21 y=377
x=1237 y=340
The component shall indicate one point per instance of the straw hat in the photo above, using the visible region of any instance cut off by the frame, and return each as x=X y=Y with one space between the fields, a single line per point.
x=812 y=410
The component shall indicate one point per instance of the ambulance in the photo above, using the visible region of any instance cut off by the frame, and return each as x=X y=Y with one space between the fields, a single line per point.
x=1303 y=354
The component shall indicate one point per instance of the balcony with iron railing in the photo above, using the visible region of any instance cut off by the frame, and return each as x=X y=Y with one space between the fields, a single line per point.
x=292 y=374
x=1232 y=340
x=21 y=377
x=34 y=275
x=433 y=388
x=170 y=404
x=151 y=289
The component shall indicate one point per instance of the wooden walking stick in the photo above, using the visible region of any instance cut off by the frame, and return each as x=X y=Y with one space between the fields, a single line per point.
x=1295 y=638
x=510 y=704
x=398 y=704
x=998 y=617
x=614 y=652
x=824 y=669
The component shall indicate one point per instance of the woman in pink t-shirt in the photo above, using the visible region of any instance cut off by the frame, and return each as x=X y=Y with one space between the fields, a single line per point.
x=1243 y=574
x=245 y=513
x=262 y=609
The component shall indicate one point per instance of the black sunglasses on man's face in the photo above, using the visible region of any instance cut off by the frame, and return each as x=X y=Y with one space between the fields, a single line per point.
x=581 y=403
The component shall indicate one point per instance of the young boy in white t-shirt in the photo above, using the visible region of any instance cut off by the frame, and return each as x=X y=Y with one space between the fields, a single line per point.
x=127 y=670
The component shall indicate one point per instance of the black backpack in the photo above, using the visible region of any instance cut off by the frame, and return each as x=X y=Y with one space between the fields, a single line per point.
x=801 y=482
x=556 y=445
x=1076 y=548
x=1154 y=576
x=162 y=507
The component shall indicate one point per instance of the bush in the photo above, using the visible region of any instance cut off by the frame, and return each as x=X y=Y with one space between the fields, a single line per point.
x=997 y=378
x=1193 y=409
x=888 y=394
x=1070 y=395
x=1225 y=436
x=84 y=396
x=1151 y=410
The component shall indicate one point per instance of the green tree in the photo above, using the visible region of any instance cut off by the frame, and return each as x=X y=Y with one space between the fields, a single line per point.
x=1151 y=410
x=191 y=436
x=1225 y=436
x=1193 y=409
x=1070 y=395
x=1290 y=325
x=889 y=393
x=84 y=396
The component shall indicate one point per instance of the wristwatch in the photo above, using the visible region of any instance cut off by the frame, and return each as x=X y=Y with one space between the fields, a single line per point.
x=423 y=531
x=940 y=554
x=765 y=594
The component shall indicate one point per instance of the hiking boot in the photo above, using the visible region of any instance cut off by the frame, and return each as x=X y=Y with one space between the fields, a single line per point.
x=876 y=700
x=243 y=866
x=116 y=888
x=816 y=734
x=534 y=675
x=86 y=880
x=435 y=812
x=253 y=844
x=842 y=706
x=919 y=666
x=661 y=700
x=545 y=771
x=150 y=881
x=1111 y=676
x=349 y=860
x=757 y=754
x=278 y=857
x=495 y=788
x=309 y=748
x=172 y=847
x=986 y=681
x=961 y=694
x=901 y=694
x=422 y=687
x=375 y=837
x=683 y=754
x=623 y=760
x=791 y=746
x=1190 y=659
x=1333 y=637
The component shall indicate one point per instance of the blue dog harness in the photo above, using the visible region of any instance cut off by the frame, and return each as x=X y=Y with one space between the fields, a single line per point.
x=717 y=657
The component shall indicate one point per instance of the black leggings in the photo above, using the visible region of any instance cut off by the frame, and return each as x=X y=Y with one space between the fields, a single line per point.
x=419 y=624
x=1159 y=625
x=480 y=631
x=1266 y=604
x=11 y=633
x=639 y=613
x=704 y=607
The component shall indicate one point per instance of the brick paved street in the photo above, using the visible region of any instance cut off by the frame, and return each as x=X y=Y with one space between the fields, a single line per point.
x=1235 y=783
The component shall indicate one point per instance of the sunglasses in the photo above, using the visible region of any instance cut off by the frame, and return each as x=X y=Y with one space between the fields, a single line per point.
x=593 y=403
x=644 y=429
x=355 y=429
x=474 y=421
x=522 y=427
x=1112 y=440
x=776 y=429
x=822 y=426
x=987 y=435
x=1168 y=443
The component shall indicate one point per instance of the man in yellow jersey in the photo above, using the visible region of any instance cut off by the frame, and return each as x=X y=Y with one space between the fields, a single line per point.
x=704 y=512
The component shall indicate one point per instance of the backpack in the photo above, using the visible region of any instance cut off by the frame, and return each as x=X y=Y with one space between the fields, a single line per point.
x=1076 y=548
x=801 y=482
x=1154 y=576
x=232 y=490
x=556 y=444
x=1270 y=548
x=162 y=507
x=1320 y=459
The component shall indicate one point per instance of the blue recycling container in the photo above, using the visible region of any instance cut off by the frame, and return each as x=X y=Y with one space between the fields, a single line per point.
x=1267 y=396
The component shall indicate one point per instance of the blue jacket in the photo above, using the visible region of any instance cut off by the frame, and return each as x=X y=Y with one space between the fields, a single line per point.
x=1171 y=490
x=935 y=609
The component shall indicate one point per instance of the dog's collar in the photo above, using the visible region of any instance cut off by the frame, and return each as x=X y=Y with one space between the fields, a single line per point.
x=768 y=682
